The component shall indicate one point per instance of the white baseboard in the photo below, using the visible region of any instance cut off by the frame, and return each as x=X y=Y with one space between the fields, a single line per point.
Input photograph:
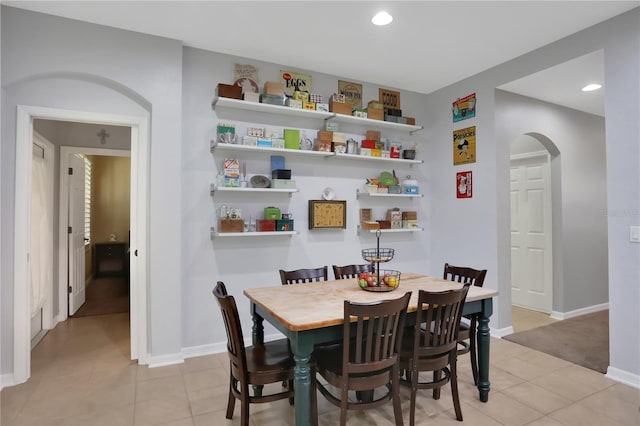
x=6 y=380
x=164 y=360
x=220 y=347
x=578 y=312
x=622 y=376
x=203 y=350
x=501 y=332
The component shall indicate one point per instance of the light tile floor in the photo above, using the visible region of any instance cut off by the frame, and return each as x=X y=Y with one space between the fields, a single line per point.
x=81 y=375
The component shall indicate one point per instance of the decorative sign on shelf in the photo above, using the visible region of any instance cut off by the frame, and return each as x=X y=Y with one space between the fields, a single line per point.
x=389 y=98
x=292 y=81
x=464 y=183
x=246 y=76
x=352 y=93
x=327 y=214
x=464 y=146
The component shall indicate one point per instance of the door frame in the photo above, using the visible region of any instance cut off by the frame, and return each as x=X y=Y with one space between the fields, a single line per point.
x=545 y=156
x=63 y=243
x=49 y=150
x=139 y=227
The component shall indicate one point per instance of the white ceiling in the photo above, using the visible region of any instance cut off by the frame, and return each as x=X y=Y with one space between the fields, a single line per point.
x=429 y=44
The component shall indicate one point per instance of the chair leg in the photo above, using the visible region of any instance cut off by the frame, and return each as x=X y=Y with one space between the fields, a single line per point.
x=473 y=339
x=244 y=416
x=397 y=406
x=231 y=403
x=454 y=387
x=412 y=409
x=344 y=399
x=437 y=375
x=289 y=385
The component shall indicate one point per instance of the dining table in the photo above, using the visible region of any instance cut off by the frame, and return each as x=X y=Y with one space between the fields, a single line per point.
x=313 y=313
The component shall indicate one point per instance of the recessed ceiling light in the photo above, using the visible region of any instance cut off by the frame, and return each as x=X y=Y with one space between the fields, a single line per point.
x=591 y=87
x=382 y=18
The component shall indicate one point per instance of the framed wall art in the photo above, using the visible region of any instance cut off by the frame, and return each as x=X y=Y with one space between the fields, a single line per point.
x=464 y=146
x=327 y=214
x=464 y=108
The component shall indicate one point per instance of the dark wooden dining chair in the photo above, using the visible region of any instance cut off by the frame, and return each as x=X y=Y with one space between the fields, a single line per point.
x=467 y=337
x=304 y=275
x=434 y=350
x=255 y=366
x=367 y=359
x=350 y=271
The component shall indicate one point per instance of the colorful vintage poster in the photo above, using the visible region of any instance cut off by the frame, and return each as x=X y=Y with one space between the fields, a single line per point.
x=464 y=108
x=292 y=81
x=464 y=184
x=246 y=76
x=352 y=93
x=464 y=146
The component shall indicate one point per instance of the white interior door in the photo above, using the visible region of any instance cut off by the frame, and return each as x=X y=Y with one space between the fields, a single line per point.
x=76 y=233
x=531 y=261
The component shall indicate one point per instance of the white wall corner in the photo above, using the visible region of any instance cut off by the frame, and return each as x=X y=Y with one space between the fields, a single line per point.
x=622 y=376
x=582 y=311
x=165 y=360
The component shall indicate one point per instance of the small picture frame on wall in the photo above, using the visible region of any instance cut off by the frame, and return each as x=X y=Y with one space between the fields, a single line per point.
x=464 y=184
x=325 y=214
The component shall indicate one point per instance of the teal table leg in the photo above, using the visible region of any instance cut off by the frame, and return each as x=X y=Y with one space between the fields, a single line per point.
x=483 y=336
x=257 y=338
x=302 y=349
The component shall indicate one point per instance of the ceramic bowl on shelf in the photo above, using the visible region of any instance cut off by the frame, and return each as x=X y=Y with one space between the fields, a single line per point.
x=379 y=281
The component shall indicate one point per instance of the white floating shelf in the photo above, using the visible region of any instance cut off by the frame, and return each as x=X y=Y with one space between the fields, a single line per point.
x=349 y=119
x=215 y=234
x=250 y=148
x=383 y=159
x=270 y=109
x=389 y=231
x=305 y=113
x=375 y=194
x=215 y=188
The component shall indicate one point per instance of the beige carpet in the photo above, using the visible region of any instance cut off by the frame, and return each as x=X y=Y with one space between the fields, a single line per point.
x=583 y=340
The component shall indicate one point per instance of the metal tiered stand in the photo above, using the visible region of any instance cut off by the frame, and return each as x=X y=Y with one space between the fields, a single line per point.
x=385 y=279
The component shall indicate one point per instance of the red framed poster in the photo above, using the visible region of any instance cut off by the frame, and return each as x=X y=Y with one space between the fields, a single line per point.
x=464 y=184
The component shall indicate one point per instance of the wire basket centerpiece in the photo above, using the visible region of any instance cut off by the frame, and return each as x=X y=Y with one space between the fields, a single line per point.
x=378 y=279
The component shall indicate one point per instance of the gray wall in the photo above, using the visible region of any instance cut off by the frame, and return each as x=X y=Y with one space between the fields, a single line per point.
x=53 y=62
x=254 y=262
x=487 y=215
x=582 y=244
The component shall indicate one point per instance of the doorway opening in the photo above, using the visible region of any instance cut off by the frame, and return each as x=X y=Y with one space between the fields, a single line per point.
x=139 y=144
x=532 y=218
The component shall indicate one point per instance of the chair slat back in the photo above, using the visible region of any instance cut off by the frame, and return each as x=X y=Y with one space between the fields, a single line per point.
x=439 y=314
x=464 y=275
x=233 y=328
x=304 y=275
x=350 y=271
x=372 y=341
